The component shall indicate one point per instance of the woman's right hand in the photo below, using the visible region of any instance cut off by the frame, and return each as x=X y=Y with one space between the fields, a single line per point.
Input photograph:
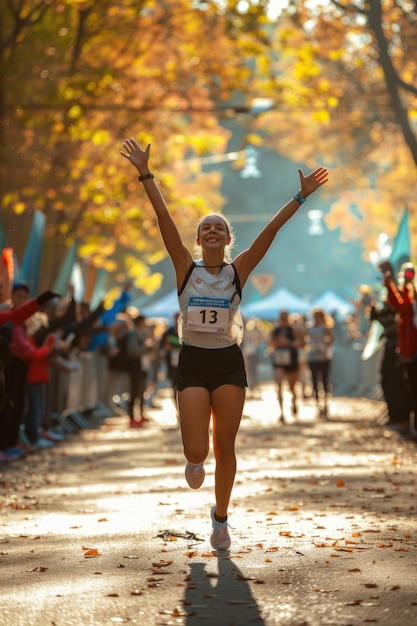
x=138 y=157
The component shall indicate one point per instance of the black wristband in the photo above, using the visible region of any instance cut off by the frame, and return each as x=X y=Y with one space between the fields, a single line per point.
x=143 y=177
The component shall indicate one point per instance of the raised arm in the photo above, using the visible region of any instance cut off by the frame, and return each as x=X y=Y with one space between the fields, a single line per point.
x=180 y=255
x=247 y=260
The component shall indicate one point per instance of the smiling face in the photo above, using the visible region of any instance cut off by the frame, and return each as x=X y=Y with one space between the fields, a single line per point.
x=213 y=232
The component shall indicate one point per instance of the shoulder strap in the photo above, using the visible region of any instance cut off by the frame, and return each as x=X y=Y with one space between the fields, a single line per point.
x=236 y=282
x=187 y=276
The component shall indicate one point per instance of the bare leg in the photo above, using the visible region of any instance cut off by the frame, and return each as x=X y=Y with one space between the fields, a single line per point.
x=278 y=375
x=195 y=410
x=293 y=378
x=227 y=405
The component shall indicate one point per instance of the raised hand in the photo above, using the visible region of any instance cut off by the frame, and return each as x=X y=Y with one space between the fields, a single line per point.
x=134 y=153
x=45 y=296
x=312 y=181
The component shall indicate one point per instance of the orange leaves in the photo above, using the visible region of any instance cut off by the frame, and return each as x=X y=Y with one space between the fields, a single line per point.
x=160 y=564
x=90 y=552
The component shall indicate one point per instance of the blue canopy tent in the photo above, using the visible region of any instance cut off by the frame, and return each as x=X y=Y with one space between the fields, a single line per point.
x=332 y=303
x=268 y=308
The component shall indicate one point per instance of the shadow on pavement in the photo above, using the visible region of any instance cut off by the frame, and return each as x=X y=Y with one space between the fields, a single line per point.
x=221 y=598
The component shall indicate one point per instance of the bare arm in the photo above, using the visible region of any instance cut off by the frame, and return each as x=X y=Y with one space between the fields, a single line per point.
x=180 y=255
x=247 y=260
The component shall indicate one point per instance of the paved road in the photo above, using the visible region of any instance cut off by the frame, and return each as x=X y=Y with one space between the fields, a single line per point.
x=323 y=515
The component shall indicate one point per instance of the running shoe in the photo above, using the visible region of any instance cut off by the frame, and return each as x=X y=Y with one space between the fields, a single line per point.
x=138 y=423
x=220 y=538
x=194 y=475
x=52 y=435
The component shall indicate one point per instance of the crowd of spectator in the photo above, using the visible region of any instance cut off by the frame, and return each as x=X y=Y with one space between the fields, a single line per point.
x=43 y=337
x=43 y=340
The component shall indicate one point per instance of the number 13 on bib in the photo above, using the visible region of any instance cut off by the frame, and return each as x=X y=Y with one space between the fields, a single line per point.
x=208 y=315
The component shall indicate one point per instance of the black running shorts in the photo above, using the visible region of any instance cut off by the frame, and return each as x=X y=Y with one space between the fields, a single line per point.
x=203 y=367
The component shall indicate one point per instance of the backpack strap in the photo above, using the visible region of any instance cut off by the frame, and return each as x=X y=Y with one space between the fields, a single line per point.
x=187 y=276
x=236 y=283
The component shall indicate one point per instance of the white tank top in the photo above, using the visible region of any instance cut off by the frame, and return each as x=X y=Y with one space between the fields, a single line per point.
x=209 y=309
x=319 y=349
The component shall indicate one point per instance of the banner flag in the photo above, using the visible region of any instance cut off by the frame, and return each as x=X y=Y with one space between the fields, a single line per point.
x=401 y=248
x=3 y=242
x=262 y=282
x=31 y=263
x=64 y=276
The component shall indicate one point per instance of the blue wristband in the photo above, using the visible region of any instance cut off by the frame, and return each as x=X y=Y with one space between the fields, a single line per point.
x=299 y=198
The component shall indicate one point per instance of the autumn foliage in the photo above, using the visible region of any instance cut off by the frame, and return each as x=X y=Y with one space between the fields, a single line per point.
x=80 y=76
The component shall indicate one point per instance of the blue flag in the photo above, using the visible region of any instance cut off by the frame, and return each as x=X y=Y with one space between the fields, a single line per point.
x=65 y=272
x=401 y=249
x=31 y=263
x=3 y=242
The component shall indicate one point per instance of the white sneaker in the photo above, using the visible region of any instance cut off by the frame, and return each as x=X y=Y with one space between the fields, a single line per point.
x=194 y=475
x=220 y=538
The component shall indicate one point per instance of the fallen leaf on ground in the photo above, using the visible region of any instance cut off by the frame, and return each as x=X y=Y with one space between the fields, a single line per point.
x=91 y=553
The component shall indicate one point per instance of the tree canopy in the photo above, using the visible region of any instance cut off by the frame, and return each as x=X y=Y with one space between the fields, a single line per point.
x=345 y=95
x=80 y=76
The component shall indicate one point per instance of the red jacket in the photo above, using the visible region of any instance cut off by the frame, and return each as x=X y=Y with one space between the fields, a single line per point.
x=23 y=348
x=38 y=371
x=403 y=302
x=20 y=313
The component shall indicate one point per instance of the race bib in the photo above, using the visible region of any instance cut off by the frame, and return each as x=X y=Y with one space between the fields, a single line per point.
x=209 y=315
x=282 y=357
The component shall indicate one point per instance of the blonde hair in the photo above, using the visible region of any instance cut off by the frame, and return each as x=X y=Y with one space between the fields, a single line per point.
x=327 y=319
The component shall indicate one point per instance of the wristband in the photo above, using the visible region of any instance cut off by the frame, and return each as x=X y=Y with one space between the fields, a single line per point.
x=145 y=177
x=299 y=198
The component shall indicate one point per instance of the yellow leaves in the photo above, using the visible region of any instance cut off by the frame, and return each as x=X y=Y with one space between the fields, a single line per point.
x=321 y=117
x=99 y=198
x=19 y=208
x=101 y=137
x=255 y=139
x=75 y=112
x=336 y=55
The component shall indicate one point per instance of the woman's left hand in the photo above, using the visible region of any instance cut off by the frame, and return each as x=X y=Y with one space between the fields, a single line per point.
x=312 y=181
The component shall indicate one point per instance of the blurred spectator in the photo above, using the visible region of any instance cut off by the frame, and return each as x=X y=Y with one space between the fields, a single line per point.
x=118 y=375
x=403 y=299
x=396 y=394
x=15 y=374
x=37 y=382
x=170 y=347
x=362 y=305
x=98 y=343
